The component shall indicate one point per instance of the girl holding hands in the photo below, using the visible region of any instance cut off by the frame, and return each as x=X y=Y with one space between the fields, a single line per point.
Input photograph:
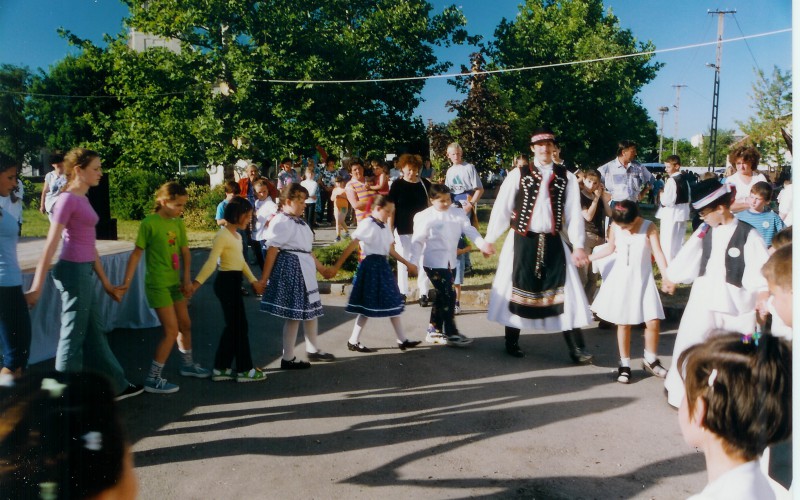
x=293 y=294
x=162 y=238
x=234 y=344
x=375 y=293
x=628 y=295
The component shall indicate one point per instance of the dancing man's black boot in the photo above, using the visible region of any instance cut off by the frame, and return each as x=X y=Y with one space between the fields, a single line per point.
x=577 y=347
x=512 y=342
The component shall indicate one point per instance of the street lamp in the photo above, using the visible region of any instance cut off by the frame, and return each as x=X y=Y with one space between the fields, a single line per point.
x=662 y=110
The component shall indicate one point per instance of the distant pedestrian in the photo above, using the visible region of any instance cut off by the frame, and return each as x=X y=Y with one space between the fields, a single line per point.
x=624 y=177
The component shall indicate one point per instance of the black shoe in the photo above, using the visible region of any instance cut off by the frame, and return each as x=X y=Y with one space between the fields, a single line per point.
x=321 y=356
x=423 y=301
x=294 y=364
x=356 y=347
x=407 y=344
x=580 y=356
x=404 y=298
x=245 y=293
x=514 y=350
x=130 y=391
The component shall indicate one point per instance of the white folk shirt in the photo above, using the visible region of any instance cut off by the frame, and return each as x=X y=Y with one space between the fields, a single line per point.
x=669 y=209
x=373 y=239
x=436 y=236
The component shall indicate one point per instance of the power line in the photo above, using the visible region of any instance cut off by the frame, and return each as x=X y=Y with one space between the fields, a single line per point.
x=431 y=77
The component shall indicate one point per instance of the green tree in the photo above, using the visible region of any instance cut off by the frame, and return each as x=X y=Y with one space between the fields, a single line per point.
x=690 y=155
x=16 y=139
x=591 y=106
x=725 y=138
x=244 y=44
x=481 y=123
x=772 y=104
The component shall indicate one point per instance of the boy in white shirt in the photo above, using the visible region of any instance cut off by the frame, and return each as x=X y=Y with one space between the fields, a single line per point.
x=674 y=208
x=437 y=230
x=311 y=202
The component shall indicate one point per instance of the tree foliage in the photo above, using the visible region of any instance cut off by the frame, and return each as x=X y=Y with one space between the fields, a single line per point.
x=772 y=104
x=481 y=124
x=591 y=106
x=15 y=137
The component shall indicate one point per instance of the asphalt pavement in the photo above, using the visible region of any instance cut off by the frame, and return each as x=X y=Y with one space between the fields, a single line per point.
x=430 y=422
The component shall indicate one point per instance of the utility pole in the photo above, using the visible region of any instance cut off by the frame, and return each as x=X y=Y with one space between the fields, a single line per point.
x=715 y=106
x=677 y=121
x=662 y=110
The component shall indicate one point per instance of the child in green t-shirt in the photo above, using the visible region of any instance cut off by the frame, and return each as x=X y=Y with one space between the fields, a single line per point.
x=167 y=286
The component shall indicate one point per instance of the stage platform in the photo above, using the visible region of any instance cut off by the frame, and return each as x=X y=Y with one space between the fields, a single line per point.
x=133 y=312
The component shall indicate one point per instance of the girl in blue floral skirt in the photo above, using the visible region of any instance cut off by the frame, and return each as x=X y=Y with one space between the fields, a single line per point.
x=290 y=277
x=375 y=293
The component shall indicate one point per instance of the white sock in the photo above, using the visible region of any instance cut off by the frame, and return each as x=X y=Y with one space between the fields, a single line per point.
x=625 y=362
x=650 y=357
x=310 y=331
x=361 y=320
x=398 y=329
x=186 y=357
x=290 y=327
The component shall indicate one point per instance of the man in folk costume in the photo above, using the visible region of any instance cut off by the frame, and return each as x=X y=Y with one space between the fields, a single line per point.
x=537 y=284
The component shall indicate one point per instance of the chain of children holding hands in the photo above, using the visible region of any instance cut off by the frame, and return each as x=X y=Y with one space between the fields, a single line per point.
x=537 y=285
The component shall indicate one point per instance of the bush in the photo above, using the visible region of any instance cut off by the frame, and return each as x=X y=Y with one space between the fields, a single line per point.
x=330 y=254
x=132 y=192
x=202 y=206
x=32 y=195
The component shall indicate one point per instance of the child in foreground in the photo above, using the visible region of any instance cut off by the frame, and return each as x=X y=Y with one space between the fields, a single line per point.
x=290 y=278
x=234 y=344
x=162 y=238
x=62 y=438
x=737 y=402
x=628 y=295
x=437 y=230
x=375 y=293
x=723 y=260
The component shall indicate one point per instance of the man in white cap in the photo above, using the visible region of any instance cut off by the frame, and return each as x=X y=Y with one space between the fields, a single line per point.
x=537 y=286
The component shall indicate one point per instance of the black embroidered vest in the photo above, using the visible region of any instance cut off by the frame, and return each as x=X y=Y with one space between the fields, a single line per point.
x=734 y=264
x=682 y=185
x=529 y=184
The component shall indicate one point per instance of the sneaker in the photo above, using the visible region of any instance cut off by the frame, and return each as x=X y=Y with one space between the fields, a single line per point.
x=132 y=390
x=294 y=364
x=423 y=301
x=254 y=375
x=195 y=370
x=654 y=368
x=457 y=309
x=624 y=375
x=222 y=375
x=337 y=239
x=434 y=336
x=159 y=386
x=320 y=356
x=347 y=235
x=458 y=340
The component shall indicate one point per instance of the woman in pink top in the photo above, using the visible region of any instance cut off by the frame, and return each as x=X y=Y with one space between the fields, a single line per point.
x=82 y=344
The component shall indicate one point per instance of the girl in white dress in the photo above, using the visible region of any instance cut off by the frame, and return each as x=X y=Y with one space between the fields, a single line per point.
x=628 y=295
x=737 y=402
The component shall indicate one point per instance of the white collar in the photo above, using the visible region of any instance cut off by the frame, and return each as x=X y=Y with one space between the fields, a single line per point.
x=546 y=166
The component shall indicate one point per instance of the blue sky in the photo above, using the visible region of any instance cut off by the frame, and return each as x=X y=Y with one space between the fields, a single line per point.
x=28 y=37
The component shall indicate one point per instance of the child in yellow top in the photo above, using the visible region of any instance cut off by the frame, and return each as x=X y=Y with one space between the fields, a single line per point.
x=234 y=344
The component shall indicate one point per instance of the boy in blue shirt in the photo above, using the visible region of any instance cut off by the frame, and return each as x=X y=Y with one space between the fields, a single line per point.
x=764 y=220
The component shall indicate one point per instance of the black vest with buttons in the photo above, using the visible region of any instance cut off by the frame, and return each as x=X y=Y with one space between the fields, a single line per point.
x=529 y=183
x=734 y=266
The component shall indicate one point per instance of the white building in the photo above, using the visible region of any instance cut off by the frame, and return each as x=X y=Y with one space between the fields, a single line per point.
x=140 y=42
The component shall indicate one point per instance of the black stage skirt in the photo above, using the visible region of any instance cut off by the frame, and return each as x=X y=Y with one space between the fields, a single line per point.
x=375 y=293
x=538 y=276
